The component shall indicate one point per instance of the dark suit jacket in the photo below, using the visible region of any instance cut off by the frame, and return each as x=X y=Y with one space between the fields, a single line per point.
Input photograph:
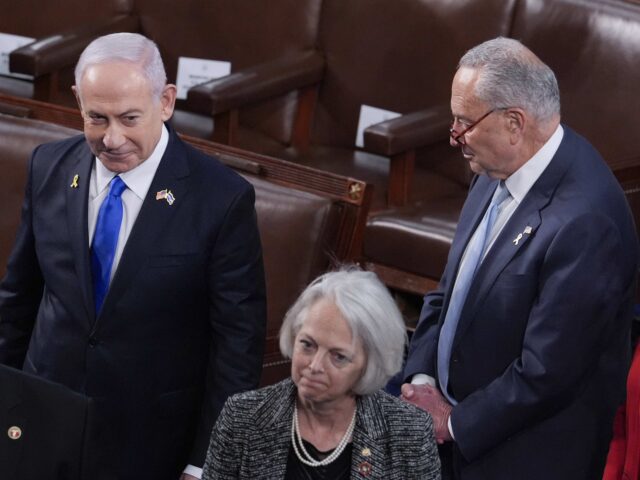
x=541 y=351
x=252 y=438
x=54 y=422
x=182 y=326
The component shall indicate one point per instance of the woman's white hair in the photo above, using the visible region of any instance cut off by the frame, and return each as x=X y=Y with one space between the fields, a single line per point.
x=125 y=47
x=511 y=75
x=370 y=312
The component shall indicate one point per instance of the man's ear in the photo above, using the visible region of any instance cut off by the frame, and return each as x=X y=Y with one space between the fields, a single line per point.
x=516 y=123
x=168 y=101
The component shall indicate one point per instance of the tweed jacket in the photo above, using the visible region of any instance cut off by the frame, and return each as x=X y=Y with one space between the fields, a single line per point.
x=251 y=439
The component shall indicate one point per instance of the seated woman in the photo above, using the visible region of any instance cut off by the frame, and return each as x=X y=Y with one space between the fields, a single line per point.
x=330 y=420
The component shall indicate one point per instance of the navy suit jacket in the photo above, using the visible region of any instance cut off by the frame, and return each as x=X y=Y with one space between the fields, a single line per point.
x=54 y=423
x=542 y=347
x=182 y=326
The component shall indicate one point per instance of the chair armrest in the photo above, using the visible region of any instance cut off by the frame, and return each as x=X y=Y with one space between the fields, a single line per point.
x=408 y=132
x=260 y=82
x=50 y=54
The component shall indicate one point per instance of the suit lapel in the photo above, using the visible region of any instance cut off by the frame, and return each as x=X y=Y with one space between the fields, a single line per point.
x=502 y=252
x=367 y=450
x=152 y=221
x=469 y=219
x=273 y=427
x=528 y=214
x=77 y=192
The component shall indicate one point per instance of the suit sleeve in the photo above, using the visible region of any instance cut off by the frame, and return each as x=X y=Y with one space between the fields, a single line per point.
x=424 y=342
x=570 y=324
x=22 y=287
x=237 y=314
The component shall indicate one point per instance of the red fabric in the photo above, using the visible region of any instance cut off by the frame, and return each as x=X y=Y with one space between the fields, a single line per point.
x=623 y=461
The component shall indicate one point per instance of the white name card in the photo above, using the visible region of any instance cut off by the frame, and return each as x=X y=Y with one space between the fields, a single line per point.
x=370 y=116
x=8 y=43
x=194 y=71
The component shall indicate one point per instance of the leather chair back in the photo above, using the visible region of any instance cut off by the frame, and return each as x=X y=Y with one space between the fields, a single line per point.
x=38 y=19
x=18 y=138
x=396 y=55
x=594 y=49
x=35 y=18
x=296 y=230
x=243 y=32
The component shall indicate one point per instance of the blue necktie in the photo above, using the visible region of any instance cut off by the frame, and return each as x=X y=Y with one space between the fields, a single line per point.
x=105 y=239
x=475 y=252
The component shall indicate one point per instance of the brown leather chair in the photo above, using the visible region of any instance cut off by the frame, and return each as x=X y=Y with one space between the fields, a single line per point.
x=243 y=32
x=395 y=55
x=593 y=46
x=18 y=138
x=59 y=28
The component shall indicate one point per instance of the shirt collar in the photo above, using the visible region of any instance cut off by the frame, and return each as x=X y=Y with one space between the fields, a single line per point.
x=520 y=182
x=138 y=179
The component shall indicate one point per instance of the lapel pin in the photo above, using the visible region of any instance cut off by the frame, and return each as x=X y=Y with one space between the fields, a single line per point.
x=526 y=231
x=365 y=469
x=166 y=195
x=14 y=433
x=366 y=452
x=74 y=182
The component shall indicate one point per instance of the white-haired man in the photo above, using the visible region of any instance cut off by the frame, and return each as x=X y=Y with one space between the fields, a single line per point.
x=523 y=352
x=137 y=274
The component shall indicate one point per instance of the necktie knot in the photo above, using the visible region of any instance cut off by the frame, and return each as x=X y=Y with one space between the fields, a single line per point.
x=502 y=193
x=117 y=187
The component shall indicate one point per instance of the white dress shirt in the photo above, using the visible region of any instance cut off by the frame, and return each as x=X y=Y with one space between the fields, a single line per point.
x=138 y=181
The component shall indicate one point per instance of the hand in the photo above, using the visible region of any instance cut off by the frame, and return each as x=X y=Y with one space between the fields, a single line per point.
x=186 y=476
x=432 y=401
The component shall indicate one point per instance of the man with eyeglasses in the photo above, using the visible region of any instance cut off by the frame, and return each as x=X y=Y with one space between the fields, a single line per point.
x=521 y=354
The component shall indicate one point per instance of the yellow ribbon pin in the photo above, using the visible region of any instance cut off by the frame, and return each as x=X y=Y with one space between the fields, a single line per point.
x=74 y=182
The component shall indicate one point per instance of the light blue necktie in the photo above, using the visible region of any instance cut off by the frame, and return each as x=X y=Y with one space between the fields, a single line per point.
x=475 y=252
x=105 y=239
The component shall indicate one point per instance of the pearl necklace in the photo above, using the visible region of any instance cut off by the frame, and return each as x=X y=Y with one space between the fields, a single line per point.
x=304 y=456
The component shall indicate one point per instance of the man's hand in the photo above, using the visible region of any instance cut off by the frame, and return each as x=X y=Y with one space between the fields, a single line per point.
x=432 y=401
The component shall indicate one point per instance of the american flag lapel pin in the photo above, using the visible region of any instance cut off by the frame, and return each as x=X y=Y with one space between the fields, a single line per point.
x=166 y=195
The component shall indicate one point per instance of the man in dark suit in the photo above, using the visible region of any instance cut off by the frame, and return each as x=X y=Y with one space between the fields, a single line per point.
x=522 y=353
x=137 y=274
x=44 y=428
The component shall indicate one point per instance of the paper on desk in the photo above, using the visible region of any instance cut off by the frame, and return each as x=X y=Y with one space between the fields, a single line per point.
x=370 y=116
x=8 y=43
x=194 y=71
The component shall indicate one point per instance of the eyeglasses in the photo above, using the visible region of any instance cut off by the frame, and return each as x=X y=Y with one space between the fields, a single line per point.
x=459 y=137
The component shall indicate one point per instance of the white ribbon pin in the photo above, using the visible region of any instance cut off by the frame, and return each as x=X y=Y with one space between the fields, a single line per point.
x=526 y=231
